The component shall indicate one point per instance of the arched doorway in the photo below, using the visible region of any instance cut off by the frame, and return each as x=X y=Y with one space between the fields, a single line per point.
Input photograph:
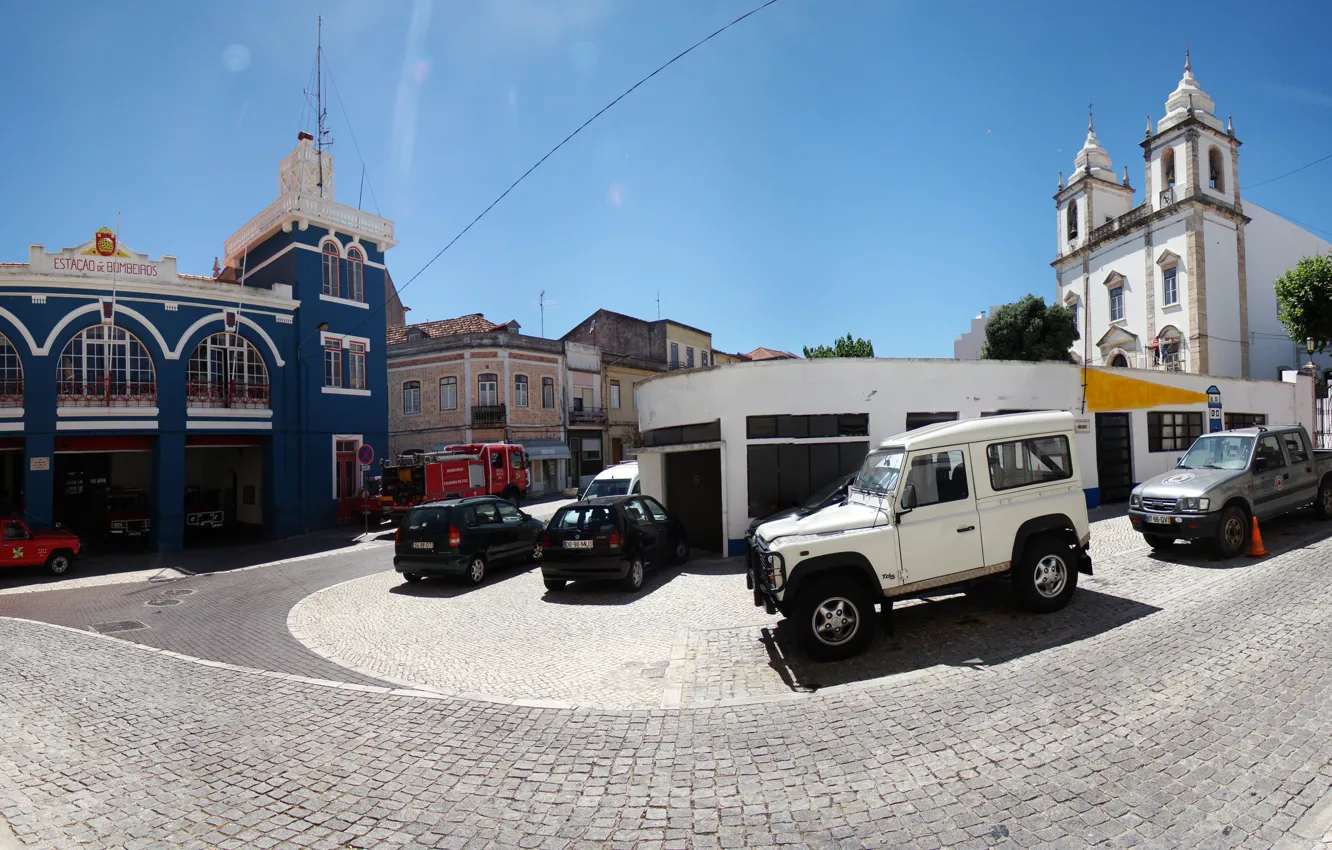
x=1119 y=361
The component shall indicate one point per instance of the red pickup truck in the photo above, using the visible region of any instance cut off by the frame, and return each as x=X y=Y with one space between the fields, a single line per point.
x=26 y=545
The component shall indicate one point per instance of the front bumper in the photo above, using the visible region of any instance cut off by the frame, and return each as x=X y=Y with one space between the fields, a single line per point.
x=608 y=568
x=432 y=565
x=761 y=573
x=1181 y=526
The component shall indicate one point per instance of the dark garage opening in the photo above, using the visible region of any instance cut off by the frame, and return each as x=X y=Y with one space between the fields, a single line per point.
x=693 y=493
x=11 y=474
x=224 y=479
x=104 y=487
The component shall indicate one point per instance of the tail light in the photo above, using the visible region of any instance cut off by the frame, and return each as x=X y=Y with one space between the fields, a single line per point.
x=397 y=535
x=455 y=537
x=615 y=540
x=545 y=542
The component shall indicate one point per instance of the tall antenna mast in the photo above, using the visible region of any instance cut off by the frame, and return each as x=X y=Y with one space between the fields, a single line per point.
x=541 y=302
x=319 y=103
x=659 y=305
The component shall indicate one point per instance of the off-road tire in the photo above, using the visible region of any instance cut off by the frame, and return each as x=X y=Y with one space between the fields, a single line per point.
x=1231 y=539
x=681 y=554
x=834 y=617
x=1323 y=503
x=1047 y=575
x=1158 y=541
x=411 y=578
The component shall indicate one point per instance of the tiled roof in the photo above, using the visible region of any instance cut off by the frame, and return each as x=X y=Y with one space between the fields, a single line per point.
x=470 y=324
x=770 y=354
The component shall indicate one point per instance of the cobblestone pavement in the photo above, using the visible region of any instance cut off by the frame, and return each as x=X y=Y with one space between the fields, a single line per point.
x=1179 y=702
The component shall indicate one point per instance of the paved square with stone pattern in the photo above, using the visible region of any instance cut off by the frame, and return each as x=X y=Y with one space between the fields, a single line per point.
x=1179 y=701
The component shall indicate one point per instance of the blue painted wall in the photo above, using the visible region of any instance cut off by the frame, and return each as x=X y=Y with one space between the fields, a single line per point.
x=298 y=451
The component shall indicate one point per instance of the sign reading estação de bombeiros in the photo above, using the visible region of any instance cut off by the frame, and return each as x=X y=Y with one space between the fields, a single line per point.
x=103 y=256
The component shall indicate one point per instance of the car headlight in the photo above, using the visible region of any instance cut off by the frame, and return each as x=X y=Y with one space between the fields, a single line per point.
x=1134 y=500
x=1194 y=504
x=117 y=524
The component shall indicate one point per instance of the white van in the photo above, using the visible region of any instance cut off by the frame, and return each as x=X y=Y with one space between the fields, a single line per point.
x=618 y=480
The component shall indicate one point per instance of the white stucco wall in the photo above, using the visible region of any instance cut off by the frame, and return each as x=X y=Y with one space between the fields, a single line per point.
x=967 y=346
x=887 y=390
x=1273 y=245
x=1223 y=309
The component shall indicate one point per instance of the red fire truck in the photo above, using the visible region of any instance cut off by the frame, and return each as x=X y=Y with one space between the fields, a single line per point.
x=496 y=469
x=26 y=544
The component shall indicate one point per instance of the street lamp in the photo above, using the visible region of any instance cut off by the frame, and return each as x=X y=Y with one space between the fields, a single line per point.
x=1309 y=346
x=300 y=416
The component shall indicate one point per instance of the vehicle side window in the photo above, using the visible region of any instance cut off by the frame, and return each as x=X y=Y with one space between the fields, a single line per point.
x=938 y=477
x=517 y=460
x=15 y=531
x=1295 y=447
x=508 y=513
x=497 y=460
x=657 y=511
x=637 y=489
x=469 y=516
x=1268 y=455
x=486 y=513
x=1023 y=463
x=636 y=512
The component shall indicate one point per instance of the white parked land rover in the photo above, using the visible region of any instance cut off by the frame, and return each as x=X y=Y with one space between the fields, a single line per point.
x=929 y=509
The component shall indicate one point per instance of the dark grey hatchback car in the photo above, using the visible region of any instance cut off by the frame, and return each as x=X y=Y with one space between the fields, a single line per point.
x=464 y=538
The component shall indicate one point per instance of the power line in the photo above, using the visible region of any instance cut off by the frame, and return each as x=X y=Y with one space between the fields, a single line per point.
x=562 y=143
x=1288 y=173
x=355 y=144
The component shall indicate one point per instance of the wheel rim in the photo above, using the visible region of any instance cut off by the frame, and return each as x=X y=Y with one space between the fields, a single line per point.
x=1327 y=500
x=681 y=550
x=835 y=621
x=1234 y=532
x=478 y=569
x=1051 y=576
x=59 y=565
x=636 y=572
x=536 y=552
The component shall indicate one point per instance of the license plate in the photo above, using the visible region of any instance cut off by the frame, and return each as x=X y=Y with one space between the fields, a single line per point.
x=578 y=544
x=425 y=545
x=1158 y=520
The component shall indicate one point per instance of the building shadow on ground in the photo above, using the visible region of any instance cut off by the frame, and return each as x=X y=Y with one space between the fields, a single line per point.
x=588 y=592
x=1280 y=535
x=979 y=629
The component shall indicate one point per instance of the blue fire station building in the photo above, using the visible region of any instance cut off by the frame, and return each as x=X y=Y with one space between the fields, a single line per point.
x=136 y=400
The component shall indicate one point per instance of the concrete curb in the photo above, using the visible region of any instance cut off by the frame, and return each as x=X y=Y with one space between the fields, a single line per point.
x=7 y=839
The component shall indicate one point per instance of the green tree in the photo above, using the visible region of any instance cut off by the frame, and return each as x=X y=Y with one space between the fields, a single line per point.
x=1030 y=330
x=843 y=347
x=1304 y=300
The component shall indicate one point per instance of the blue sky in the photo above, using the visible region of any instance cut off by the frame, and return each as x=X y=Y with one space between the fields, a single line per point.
x=874 y=167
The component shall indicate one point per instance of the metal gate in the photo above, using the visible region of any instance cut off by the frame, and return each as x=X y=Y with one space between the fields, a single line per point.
x=1323 y=423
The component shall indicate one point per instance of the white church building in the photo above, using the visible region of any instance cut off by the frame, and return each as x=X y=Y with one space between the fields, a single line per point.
x=1182 y=280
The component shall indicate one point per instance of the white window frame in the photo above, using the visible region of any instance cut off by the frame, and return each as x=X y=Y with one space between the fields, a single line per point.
x=1169 y=282
x=547 y=382
x=356 y=365
x=521 y=390
x=615 y=395
x=481 y=392
x=1117 y=295
x=409 y=387
x=355 y=274
x=332 y=377
x=330 y=280
x=450 y=381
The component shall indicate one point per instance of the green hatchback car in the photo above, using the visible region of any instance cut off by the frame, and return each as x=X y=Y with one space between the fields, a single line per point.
x=464 y=538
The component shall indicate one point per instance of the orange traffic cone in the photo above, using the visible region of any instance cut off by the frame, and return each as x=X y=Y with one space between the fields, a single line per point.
x=1256 y=548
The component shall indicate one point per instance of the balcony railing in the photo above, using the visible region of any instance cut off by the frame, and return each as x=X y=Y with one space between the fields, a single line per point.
x=587 y=416
x=227 y=394
x=296 y=205
x=108 y=392
x=1122 y=222
x=11 y=392
x=489 y=416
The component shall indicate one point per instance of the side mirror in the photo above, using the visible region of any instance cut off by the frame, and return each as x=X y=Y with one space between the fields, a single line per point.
x=908 y=500
x=1178 y=461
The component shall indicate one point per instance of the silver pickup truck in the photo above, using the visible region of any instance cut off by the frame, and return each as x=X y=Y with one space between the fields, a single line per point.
x=1225 y=480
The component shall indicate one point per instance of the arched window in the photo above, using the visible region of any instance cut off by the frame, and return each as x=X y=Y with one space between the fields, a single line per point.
x=520 y=391
x=1119 y=361
x=107 y=365
x=1168 y=344
x=11 y=374
x=355 y=274
x=226 y=371
x=1168 y=167
x=331 y=256
x=1215 y=170
x=1072 y=221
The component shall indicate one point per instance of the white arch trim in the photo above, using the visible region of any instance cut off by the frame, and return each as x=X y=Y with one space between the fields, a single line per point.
x=97 y=308
x=222 y=317
x=22 y=328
